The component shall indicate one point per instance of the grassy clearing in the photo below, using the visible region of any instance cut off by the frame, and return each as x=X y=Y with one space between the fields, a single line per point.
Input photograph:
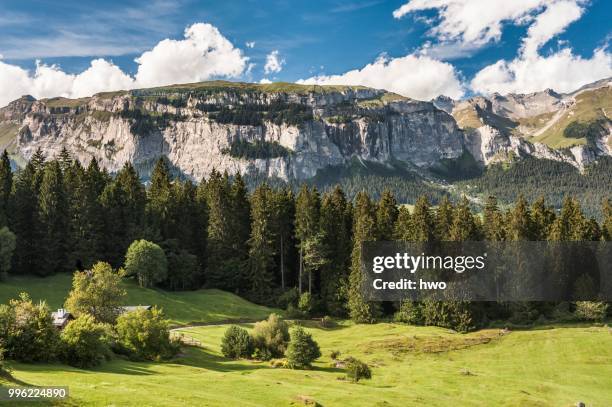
x=590 y=105
x=182 y=308
x=547 y=367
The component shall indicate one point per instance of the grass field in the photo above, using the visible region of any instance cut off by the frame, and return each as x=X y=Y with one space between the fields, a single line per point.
x=182 y=308
x=411 y=366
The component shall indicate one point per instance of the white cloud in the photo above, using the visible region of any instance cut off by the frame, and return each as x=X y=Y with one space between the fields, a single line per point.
x=415 y=76
x=250 y=44
x=265 y=81
x=562 y=71
x=478 y=22
x=274 y=63
x=204 y=53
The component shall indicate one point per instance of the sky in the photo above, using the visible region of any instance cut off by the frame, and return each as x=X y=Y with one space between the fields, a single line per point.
x=417 y=48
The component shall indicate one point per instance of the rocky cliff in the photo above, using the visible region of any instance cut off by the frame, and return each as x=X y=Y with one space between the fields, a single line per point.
x=290 y=131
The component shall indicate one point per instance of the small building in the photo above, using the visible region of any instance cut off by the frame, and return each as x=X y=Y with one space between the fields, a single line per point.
x=61 y=317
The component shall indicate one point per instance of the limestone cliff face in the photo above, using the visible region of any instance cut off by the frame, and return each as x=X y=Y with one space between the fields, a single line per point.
x=341 y=123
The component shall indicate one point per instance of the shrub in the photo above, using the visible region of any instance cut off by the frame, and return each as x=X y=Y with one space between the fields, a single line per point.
x=306 y=304
x=302 y=349
x=591 y=310
x=84 y=342
x=237 y=343
x=28 y=334
x=144 y=334
x=456 y=315
x=334 y=354
x=327 y=322
x=357 y=370
x=288 y=298
x=96 y=292
x=147 y=261
x=270 y=337
x=409 y=313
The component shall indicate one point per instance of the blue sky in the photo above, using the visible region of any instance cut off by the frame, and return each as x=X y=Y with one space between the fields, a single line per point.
x=313 y=40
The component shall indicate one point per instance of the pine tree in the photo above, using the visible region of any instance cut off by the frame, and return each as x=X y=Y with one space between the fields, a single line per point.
x=159 y=201
x=364 y=229
x=24 y=222
x=53 y=217
x=444 y=220
x=403 y=225
x=519 y=222
x=386 y=215
x=223 y=269
x=493 y=221
x=6 y=186
x=542 y=217
x=421 y=222
x=307 y=212
x=335 y=225
x=261 y=244
x=607 y=220
x=464 y=227
x=284 y=216
x=123 y=204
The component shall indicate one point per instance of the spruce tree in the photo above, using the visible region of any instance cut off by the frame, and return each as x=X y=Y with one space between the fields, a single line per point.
x=261 y=244
x=364 y=229
x=386 y=215
x=159 y=201
x=6 y=186
x=284 y=218
x=403 y=225
x=493 y=221
x=444 y=220
x=335 y=225
x=542 y=217
x=519 y=221
x=464 y=226
x=421 y=222
x=307 y=212
x=53 y=217
x=24 y=221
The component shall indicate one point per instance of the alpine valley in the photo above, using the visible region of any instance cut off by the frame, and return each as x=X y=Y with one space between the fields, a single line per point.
x=543 y=143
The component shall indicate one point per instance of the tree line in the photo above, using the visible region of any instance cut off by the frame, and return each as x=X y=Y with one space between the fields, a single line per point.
x=297 y=250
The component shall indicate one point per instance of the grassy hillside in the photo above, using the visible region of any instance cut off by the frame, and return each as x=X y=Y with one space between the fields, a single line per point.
x=186 y=307
x=411 y=366
x=590 y=105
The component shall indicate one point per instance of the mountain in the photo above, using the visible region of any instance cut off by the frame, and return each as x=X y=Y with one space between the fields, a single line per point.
x=293 y=132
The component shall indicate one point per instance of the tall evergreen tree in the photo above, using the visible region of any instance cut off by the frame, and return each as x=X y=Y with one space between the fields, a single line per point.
x=336 y=224
x=493 y=221
x=386 y=215
x=6 y=186
x=542 y=217
x=241 y=216
x=444 y=220
x=464 y=226
x=284 y=226
x=422 y=222
x=24 y=222
x=307 y=212
x=53 y=217
x=519 y=221
x=606 y=227
x=261 y=244
x=403 y=225
x=159 y=201
x=364 y=229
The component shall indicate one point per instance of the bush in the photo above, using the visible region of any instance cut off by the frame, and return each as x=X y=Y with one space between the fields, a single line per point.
x=144 y=334
x=591 y=310
x=456 y=315
x=409 y=313
x=84 y=342
x=288 y=298
x=327 y=322
x=302 y=349
x=147 y=261
x=357 y=370
x=28 y=334
x=334 y=354
x=96 y=292
x=237 y=343
x=270 y=337
x=306 y=304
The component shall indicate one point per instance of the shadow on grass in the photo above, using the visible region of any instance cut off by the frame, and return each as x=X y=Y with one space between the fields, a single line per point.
x=205 y=360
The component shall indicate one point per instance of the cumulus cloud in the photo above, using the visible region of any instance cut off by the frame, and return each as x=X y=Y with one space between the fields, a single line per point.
x=204 y=53
x=274 y=63
x=477 y=22
x=265 y=81
x=562 y=71
x=250 y=44
x=414 y=76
